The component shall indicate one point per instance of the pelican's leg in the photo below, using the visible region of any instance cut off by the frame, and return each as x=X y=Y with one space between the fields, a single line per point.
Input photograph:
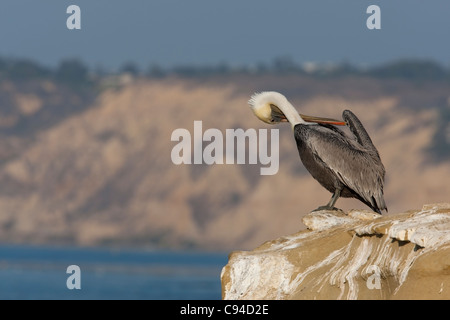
x=336 y=195
x=330 y=205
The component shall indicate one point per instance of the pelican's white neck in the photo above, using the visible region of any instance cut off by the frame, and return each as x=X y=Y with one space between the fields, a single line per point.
x=290 y=112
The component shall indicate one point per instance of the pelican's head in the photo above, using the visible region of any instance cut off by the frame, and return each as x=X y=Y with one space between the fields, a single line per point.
x=272 y=107
x=265 y=105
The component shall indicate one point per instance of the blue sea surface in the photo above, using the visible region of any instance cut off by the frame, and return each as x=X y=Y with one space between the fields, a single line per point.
x=38 y=272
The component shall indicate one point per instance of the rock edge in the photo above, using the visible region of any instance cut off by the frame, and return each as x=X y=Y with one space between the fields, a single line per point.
x=359 y=255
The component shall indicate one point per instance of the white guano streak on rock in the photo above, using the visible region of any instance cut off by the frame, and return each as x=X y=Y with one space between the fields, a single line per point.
x=423 y=230
x=323 y=220
x=291 y=242
x=345 y=271
x=251 y=275
x=330 y=259
x=351 y=272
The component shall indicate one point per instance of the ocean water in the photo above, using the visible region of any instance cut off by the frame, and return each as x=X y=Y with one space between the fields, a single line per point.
x=37 y=272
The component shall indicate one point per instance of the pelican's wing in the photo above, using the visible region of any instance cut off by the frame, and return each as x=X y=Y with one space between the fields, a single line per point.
x=359 y=170
x=358 y=130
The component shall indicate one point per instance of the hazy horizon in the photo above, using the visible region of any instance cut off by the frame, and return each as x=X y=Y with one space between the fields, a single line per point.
x=201 y=32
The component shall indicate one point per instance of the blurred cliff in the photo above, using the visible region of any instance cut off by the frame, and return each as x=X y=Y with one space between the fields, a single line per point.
x=85 y=157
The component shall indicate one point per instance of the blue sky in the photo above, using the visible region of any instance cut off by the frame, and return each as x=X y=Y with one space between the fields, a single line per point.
x=209 y=32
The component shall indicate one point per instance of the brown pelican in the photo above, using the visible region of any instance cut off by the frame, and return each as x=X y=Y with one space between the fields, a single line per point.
x=346 y=167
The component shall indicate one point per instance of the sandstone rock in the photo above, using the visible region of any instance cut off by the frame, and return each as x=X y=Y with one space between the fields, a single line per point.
x=359 y=256
x=325 y=219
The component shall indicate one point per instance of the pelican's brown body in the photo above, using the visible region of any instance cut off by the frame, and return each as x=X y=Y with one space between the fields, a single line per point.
x=347 y=168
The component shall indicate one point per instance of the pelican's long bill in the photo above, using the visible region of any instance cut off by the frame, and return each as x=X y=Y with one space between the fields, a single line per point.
x=322 y=120
x=279 y=116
